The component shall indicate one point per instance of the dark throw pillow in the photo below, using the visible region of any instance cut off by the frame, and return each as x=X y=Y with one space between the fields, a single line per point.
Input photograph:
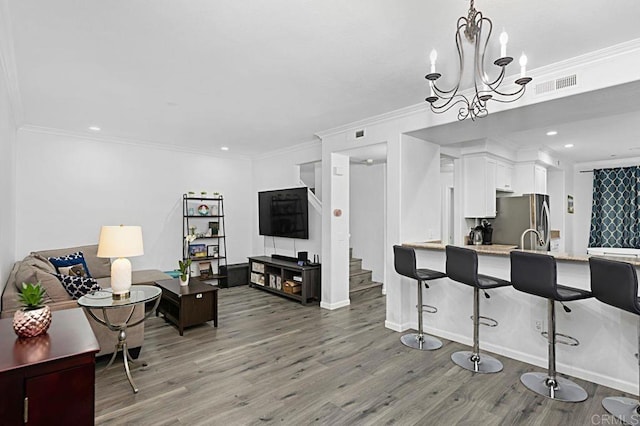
x=78 y=286
x=71 y=264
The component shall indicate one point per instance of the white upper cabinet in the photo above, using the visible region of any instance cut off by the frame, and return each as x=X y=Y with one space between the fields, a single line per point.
x=530 y=178
x=504 y=176
x=479 y=186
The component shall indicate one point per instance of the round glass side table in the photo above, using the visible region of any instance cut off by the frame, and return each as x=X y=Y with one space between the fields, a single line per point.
x=103 y=300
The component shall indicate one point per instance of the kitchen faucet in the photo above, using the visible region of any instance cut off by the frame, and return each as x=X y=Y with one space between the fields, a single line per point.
x=540 y=240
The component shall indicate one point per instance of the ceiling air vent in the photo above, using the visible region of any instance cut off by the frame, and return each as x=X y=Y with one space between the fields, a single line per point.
x=557 y=84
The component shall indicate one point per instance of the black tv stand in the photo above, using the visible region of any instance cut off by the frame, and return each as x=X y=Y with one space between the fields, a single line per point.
x=285 y=258
x=285 y=278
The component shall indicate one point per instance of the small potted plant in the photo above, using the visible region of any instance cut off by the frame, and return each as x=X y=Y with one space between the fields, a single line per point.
x=34 y=318
x=184 y=271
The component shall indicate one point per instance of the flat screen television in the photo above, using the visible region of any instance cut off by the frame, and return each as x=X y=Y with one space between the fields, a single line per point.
x=284 y=213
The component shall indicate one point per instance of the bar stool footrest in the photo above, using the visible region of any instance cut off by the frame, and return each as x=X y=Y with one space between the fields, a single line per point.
x=429 y=309
x=571 y=341
x=489 y=322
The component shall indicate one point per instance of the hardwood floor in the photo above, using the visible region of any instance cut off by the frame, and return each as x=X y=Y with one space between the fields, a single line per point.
x=272 y=361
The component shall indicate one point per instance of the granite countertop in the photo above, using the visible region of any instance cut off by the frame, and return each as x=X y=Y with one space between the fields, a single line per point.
x=503 y=250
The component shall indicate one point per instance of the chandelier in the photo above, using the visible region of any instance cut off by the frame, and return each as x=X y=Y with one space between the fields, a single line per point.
x=477 y=30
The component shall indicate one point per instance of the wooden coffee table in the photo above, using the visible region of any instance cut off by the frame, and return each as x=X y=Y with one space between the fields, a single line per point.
x=188 y=305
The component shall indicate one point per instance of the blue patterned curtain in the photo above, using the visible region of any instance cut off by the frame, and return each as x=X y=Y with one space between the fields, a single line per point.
x=615 y=212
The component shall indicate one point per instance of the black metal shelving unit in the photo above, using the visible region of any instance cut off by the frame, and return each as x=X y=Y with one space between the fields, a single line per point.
x=200 y=213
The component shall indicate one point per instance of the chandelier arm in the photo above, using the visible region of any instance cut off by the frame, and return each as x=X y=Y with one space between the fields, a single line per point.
x=447 y=106
x=518 y=95
x=482 y=41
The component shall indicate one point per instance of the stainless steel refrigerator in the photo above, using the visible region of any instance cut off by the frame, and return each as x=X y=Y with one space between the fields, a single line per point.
x=516 y=214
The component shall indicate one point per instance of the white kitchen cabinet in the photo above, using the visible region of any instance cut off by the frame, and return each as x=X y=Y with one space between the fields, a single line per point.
x=504 y=176
x=479 y=186
x=530 y=178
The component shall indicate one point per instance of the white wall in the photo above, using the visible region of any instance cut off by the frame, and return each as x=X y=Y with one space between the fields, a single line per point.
x=278 y=170
x=366 y=224
x=67 y=187
x=583 y=197
x=7 y=183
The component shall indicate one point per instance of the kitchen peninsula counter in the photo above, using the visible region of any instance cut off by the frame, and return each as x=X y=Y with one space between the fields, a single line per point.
x=607 y=334
x=504 y=250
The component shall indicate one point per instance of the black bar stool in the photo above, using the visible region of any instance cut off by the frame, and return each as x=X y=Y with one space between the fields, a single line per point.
x=537 y=274
x=462 y=266
x=405 y=264
x=616 y=284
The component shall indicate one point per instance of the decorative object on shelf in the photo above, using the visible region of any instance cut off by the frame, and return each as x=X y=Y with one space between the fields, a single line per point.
x=198 y=250
x=203 y=194
x=192 y=230
x=484 y=89
x=191 y=211
x=34 y=318
x=120 y=242
x=184 y=271
x=205 y=270
x=213 y=251
x=217 y=195
x=191 y=194
x=214 y=227
x=203 y=210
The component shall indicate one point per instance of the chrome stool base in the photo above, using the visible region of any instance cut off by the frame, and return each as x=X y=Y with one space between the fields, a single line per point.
x=566 y=390
x=423 y=343
x=484 y=364
x=625 y=409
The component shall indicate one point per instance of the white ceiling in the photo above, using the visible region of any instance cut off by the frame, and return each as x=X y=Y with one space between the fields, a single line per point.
x=261 y=75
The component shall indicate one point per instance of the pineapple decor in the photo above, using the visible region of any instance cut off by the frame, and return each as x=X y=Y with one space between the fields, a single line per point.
x=34 y=318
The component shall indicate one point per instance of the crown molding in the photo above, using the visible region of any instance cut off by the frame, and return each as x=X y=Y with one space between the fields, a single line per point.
x=8 y=65
x=130 y=142
x=574 y=63
x=376 y=119
x=303 y=146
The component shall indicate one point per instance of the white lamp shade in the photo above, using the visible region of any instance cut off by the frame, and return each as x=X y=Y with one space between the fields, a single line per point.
x=120 y=241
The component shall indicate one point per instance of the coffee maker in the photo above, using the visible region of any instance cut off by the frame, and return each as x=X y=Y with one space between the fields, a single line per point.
x=487 y=232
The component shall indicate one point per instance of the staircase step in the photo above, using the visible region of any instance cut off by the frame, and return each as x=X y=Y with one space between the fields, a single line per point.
x=365 y=286
x=357 y=278
x=355 y=264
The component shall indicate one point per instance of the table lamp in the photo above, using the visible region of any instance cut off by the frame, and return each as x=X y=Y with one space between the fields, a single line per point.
x=120 y=242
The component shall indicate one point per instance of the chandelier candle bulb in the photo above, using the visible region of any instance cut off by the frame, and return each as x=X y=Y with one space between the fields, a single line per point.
x=504 y=38
x=433 y=56
x=523 y=65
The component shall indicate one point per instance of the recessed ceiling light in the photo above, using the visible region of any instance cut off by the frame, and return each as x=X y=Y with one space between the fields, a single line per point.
x=224 y=148
x=552 y=133
x=369 y=160
x=569 y=145
x=94 y=128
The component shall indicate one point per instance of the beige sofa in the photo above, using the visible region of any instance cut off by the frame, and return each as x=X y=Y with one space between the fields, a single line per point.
x=36 y=267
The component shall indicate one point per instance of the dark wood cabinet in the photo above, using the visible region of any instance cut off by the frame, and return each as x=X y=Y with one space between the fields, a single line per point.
x=279 y=275
x=50 y=378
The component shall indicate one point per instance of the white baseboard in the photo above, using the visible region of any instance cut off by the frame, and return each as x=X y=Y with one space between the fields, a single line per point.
x=580 y=373
x=336 y=305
